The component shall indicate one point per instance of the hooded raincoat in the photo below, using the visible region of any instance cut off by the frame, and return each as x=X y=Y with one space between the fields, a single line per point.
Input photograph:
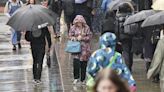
x=86 y=37
x=102 y=58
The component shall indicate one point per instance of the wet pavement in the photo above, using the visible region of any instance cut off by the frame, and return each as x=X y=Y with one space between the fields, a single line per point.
x=16 y=68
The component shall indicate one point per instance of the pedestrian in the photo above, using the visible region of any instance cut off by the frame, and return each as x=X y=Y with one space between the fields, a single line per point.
x=157 y=65
x=98 y=16
x=10 y=8
x=107 y=80
x=37 y=41
x=124 y=11
x=148 y=47
x=68 y=7
x=56 y=7
x=80 y=31
x=107 y=57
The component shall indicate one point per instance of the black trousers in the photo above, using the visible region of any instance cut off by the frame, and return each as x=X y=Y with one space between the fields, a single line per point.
x=127 y=53
x=38 y=53
x=79 y=69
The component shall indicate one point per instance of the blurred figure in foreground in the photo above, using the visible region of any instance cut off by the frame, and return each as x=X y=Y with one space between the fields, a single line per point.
x=157 y=65
x=108 y=81
x=10 y=8
x=107 y=57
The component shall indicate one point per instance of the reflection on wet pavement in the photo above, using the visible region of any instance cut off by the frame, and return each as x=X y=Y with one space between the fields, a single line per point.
x=16 y=68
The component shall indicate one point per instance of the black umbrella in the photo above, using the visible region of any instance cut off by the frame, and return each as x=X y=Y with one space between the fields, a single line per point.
x=31 y=17
x=140 y=16
x=154 y=20
x=114 y=5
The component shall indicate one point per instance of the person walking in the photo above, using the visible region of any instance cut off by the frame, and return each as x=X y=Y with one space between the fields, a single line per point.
x=37 y=41
x=157 y=65
x=80 y=31
x=125 y=10
x=108 y=80
x=56 y=7
x=107 y=57
x=98 y=16
x=68 y=8
x=10 y=8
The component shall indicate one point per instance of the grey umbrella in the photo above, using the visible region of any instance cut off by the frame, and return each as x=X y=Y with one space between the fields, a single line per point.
x=140 y=16
x=114 y=5
x=154 y=20
x=31 y=17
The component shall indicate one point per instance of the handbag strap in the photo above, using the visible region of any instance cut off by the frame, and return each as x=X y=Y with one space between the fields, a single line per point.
x=113 y=59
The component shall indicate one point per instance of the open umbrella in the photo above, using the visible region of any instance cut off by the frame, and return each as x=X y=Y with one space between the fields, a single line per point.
x=158 y=5
x=31 y=17
x=140 y=16
x=154 y=20
x=114 y=5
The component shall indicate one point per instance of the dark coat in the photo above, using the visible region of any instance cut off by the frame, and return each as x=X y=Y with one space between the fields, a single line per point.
x=41 y=40
x=108 y=25
x=55 y=6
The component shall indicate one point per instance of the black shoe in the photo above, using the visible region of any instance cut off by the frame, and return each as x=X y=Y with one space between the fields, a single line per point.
x=19 y=46
x=14 y=47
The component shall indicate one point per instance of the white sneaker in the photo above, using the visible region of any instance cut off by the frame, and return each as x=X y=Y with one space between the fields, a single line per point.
x=34 y=81
x=75 y=81
x=83 y=83
x=37 y=82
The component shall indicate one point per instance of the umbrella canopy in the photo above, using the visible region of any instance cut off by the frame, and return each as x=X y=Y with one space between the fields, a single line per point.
x=114 y=5
x=31 y=17
x=158 y=5
x=140 y=16
x=154 y=20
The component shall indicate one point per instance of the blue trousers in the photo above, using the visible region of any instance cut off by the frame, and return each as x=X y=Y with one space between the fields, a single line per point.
x=15 y=37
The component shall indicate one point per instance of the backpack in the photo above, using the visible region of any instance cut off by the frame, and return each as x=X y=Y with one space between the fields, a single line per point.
x=28 y=36
x=125 y=31
x=131 y=29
